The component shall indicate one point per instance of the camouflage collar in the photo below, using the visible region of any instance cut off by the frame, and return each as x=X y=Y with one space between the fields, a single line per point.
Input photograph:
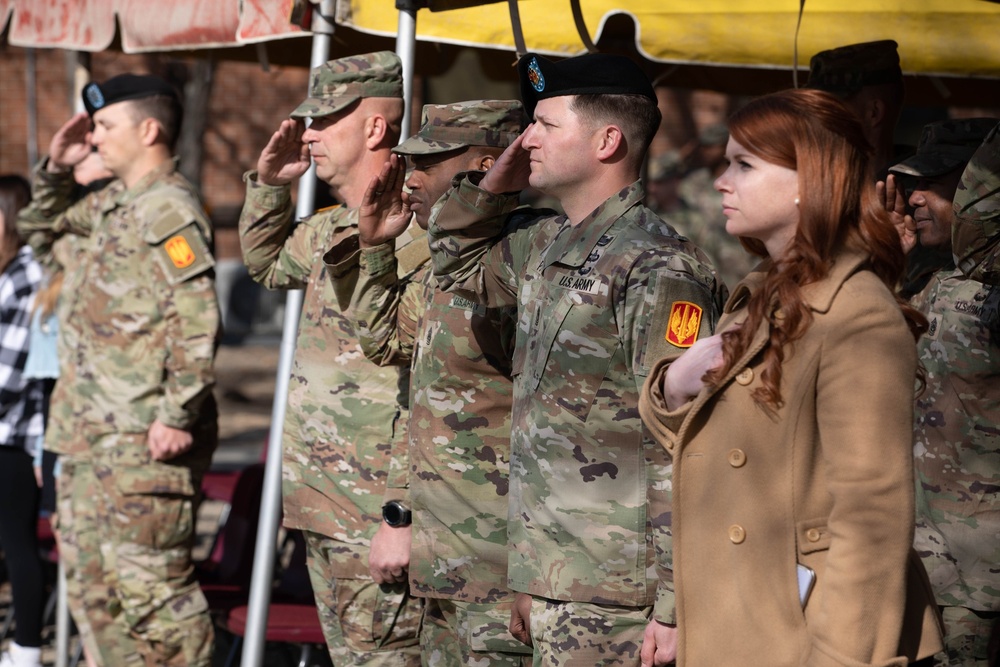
x=574 y=243
x=125 y=195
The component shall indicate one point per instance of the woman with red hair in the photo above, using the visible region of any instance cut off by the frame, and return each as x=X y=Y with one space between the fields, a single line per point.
x=791 y=429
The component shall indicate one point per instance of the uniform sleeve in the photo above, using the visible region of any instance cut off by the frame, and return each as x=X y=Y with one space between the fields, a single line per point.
x=671 y=300
x=278 y=254
x=55 y=209
x=192 y=332
x=180 y=245
x=864 y=409
x=386 y=308
x=977 y=214
x=473 y=250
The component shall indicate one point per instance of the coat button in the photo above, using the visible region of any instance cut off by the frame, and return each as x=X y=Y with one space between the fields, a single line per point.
x=813 y=535
x=745 y=376
x=737 y=458
x=737 y=534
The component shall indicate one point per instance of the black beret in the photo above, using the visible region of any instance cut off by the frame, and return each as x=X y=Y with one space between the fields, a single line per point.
x=593 y=73
x=847 y=69
x=125 y=87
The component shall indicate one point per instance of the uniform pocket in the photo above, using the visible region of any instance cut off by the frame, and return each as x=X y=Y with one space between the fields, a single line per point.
x=573 y=356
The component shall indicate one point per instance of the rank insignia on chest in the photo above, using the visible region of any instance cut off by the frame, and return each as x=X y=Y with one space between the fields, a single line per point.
x=179 y=252
x=683 y=324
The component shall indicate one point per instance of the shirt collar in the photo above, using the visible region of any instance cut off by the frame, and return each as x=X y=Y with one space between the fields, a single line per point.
x=573 y=244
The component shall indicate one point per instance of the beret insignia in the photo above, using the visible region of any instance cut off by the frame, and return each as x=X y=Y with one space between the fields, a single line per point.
x=535 y=75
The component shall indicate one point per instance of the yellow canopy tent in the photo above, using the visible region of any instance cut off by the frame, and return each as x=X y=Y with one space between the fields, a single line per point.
x=942 y=37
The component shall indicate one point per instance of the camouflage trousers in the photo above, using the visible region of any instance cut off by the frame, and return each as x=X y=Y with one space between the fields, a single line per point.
x=456 y=634
x=585 y=634
x=364 y=623
x=131 y=529
x=971 y=638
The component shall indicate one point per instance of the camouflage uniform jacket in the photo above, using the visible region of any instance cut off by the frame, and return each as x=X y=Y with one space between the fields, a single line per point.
x=341 y=411
x=597 y=305
x=957 y=430
x=459 y=431
x=140 y=326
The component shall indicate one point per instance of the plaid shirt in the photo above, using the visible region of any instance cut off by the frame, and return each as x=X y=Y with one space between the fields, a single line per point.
x=20 y=399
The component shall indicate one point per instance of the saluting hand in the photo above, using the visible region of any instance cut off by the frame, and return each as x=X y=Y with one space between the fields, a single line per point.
x=511 y=170
x=385 y=209
x=70 y=145
x=285 y=157
x=891 y=195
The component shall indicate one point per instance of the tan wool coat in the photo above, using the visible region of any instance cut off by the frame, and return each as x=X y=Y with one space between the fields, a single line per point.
x=826 y=481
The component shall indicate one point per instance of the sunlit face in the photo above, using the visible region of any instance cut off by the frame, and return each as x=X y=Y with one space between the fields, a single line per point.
x=759 y=198
x=117 y=137
x=430 y=178
x=336 y=143
x=933 y=215
x=560 y=146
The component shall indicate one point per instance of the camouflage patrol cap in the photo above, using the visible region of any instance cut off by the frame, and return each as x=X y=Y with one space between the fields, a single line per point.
x=716 y=134
x=126 y=87
x=665 y=165
x=336 y=84
x=447 y=127
x=944 y=146
x=847 y=69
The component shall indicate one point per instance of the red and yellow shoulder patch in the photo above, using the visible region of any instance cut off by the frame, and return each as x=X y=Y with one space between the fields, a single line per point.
x=179 y=251
x=683 y=324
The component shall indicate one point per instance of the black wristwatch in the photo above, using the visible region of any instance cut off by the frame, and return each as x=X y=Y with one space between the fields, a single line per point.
x=395 y=514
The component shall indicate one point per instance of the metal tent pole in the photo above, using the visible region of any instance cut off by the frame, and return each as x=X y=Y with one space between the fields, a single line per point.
x=270 y=507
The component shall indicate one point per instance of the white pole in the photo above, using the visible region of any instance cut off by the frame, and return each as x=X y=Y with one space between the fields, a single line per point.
x=406 y=38
x=270 y=505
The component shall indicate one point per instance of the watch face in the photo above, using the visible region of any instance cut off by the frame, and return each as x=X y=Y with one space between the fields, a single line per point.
x=395 y=514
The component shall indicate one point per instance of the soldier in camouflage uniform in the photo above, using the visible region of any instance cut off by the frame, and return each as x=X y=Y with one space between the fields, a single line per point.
x=918 y=194
x=133 y=415
x=342 y=412
x=869 y=79
x=957 y=441
x=601 y=294
x=460 y=394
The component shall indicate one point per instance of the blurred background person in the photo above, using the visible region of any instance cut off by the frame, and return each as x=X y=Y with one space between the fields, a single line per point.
x=20 y=428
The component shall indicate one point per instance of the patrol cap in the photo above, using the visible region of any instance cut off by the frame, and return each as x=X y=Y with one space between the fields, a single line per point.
x=944 y=146
x=336 y=84
x=847 y=69
x=448 y=127
x=590 y=74
x=125 y=87
x=665 y=165
x=716 y=134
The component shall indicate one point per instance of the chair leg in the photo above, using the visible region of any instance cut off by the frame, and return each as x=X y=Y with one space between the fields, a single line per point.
x=234 y=651
x=305 y=658
x=78 y=654
x=8 y=621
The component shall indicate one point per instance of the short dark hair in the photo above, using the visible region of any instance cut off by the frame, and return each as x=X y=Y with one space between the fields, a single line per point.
x=637 y=115
x=164 y=109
